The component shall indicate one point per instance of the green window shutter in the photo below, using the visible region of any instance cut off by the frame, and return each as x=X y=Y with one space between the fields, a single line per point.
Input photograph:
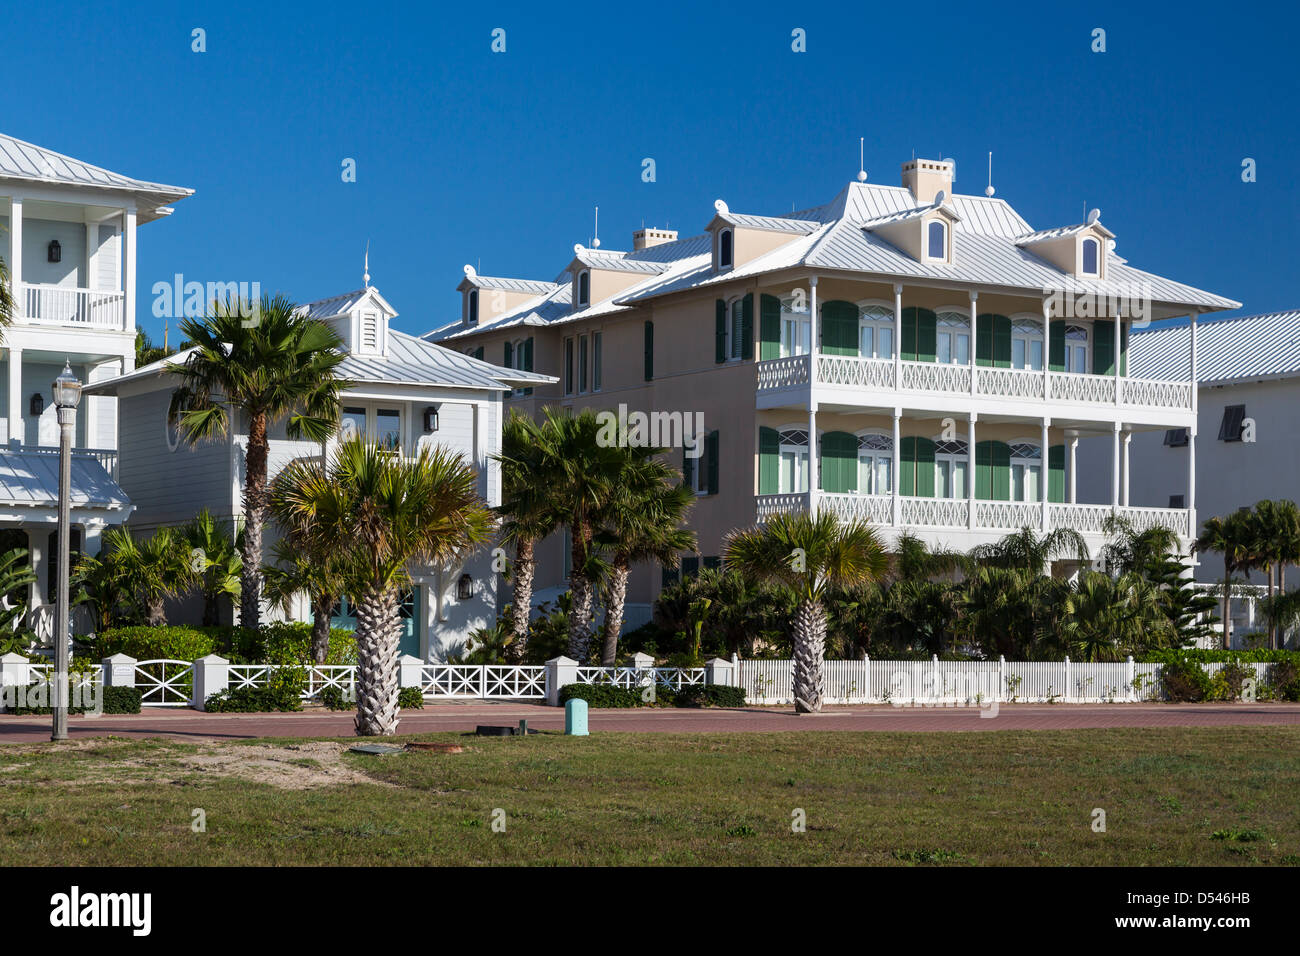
x=747 y=327
x=907 y=466
x=688 y=469
x=649 y=350
x=1001 y=341
x=1001 y=471
x=528 y=359
x=840 y=328
x=478 y=353
x=984 y=470
x=1056 y=473
x=1123 y=349
x=509 y=351
x=711 y=462
x=838 y=464
x=1056 y=347
x=769 y=460
x=720 y=333
x=908 y=348
x=924 y=468
x=769 y=327
x=1103 y=347
x=927 y=336
x=984 y=339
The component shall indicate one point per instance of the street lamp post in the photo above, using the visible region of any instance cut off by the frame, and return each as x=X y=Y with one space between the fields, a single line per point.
x=67 y=393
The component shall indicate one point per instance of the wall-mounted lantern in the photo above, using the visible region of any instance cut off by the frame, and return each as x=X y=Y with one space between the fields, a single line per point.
x=465 y=588
x=431 y=418
x=54 y=251
x=37 y=405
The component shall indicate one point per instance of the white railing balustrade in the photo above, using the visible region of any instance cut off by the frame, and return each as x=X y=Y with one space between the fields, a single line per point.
x=783 y=372
x=1085 y=519
x=1008 y=515
x=854 y=371
x=1143 y=519
x=58 y=305
x=629 y=677
x=1075 y=387
x=936 y=377
x=1009 y=382
x=769 y=505
x=1154 y=393
x=934 y=512
x=875 y=508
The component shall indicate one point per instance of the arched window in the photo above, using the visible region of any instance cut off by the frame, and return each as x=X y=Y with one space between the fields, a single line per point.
x=793 y=450
x=471 y=314
x=584 y=287
x=796 y=328
x=952 y=341
x=1026 y=471
x=724 y=249
x=1090 y=249
x=1076 y=348
x=1027 y=344
x=876 y=332
x=936 y=240
x=951 y=468
x=875 y=463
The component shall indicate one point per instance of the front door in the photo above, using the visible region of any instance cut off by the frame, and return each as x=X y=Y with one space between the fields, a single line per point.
x=344 y=616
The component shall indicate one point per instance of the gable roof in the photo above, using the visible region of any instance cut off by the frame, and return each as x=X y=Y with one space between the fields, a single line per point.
x=1245 y=348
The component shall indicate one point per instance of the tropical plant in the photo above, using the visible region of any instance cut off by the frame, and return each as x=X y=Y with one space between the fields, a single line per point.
x=299 y=569
x=1025 y=550
x=488 y=645
x=1230 y=536
x=1105 y=618
x=527 y=513
x=1011 y=612
x=131 y=579
x=1151 y=554
x=807 y=554
x=16 y=577
x=215 y=562
x=384 y=515
x=7 y=307
x=251 y=367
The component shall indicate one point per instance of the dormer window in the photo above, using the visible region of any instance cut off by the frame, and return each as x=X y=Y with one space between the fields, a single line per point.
x=471 y=310
x=1091 y=248
x=936 y=240
x=725 y=253
x=584 y=288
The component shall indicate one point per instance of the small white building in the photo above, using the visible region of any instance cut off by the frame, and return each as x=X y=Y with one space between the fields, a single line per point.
x=405 y=393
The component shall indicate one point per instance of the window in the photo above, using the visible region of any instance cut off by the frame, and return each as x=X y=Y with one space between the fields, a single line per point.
x=876 y=332
x=1177 y=501
x=794 y=461
x=568 y=366
x=736 y=330
x=952 y=339
x=1090 y=249
x=519 y=356
x=1026 y=472
x=700 y=473
x=724 y=249
x=582 y=364
x=796 y=330
x=1176 y=438
x=875 y=464
x=1076 y=349
x=1027 y=344
x=377 y=424
x=471 y=313
x=584 y=287
x=595 y=361
x=1231 y=427
x=388 y=428
x=936 y=240
x=951 y=468
x=352 y=423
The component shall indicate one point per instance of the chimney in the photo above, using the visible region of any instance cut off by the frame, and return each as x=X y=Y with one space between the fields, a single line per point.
x=645 y=238
x=925 y=177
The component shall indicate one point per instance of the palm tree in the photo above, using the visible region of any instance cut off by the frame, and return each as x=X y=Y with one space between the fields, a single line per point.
x=252 y=373
x=807 y=554
x=1230 y=537
x=527 y=513
x=641 y=522
x=7 y=306
x=1104 y=618
x=215 y=562
x=1024 y=550
x=319 y=575
x=383 y=516
x=141 y=575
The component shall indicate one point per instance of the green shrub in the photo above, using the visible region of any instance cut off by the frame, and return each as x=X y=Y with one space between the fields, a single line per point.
x=710 y=695
x=289 y=642
x=1284 y=680
x=36 y=700
x=332 y=698
x=151 y=643
x=122 y=700
x=1262 y=655
x=1186 y=681
x=410 y=698
x=1229 y=682
x=281 y=692
x=601 y=695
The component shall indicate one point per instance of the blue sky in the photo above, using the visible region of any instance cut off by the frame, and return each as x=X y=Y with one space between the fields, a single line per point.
x=465 y=155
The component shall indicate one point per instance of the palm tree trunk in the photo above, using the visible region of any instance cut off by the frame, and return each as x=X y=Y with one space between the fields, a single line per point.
x=211 y=610
x=521 y=604
x=379 y=627
x=614 y=611
x=580 y=588
x=809 y=657
x=154 y=612
x=250 y=573
x=1227 y=606
x=320 y=627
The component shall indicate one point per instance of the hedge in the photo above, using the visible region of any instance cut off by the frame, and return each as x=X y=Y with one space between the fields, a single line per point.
x=1202 y=656
x=274 y=643
x=710 y=695
x=609 y=695
x=601 y=695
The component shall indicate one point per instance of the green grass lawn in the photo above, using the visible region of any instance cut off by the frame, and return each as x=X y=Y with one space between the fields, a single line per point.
x=1186 y=796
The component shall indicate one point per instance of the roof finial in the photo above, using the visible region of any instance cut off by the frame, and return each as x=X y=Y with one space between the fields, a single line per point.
x=862 y=161
x=595 y=239
x=988 y=190
x=366 y=276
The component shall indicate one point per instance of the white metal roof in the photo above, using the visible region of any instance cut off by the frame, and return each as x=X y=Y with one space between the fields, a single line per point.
x=769 y=223
x=30 y=479
x=504 y=284
x=1245 y=348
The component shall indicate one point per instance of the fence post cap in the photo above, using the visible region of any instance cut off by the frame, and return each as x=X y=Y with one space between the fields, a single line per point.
x=561 y=660
x=120 y=659
x=12 y=658
x=718 y=661
x=642 y=659
x=1002 y=658
x=1130 y=658
x=411 y=660
x=211 y=659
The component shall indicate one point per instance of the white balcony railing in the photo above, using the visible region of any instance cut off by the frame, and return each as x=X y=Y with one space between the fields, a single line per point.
x=75 y=308
x=105 y=456
x=1004 y=383
x=989 y=515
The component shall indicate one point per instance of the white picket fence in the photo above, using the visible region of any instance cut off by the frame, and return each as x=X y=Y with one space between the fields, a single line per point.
x=953 y=683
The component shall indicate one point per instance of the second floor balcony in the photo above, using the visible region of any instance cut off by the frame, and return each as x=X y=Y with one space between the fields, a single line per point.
x=71 y=307
x=793 y=374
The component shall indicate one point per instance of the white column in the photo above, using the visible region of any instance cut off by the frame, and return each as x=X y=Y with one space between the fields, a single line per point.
x=128 y=270
x=92 y=241
x=1128 y=438
x=15 y=260
x=1191 y=434
x=898 y=412
x=973 y=321
x=970 y=458
x=1074 y=473
x=898 y=335
x=1118 y=384
x=1045 y=474
x=1047 y=359
x=16 y=429
x=814 y=465
x=38 y=545
x=1114 y=471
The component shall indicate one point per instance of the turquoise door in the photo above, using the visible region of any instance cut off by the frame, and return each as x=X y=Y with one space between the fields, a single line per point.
x=345 y=616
